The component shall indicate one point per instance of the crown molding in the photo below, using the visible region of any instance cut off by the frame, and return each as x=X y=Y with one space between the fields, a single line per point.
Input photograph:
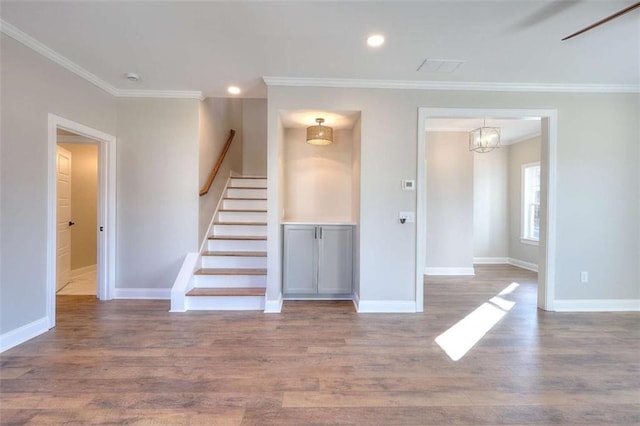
x=51 y=54
x=172 y=94
x=450 y=85
x=64 y=62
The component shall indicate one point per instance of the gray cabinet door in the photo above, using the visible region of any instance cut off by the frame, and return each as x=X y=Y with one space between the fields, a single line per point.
x=335 y=264
x=300 y=259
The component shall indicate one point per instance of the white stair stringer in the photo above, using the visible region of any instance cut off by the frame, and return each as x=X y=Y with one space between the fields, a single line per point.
x=230 y=273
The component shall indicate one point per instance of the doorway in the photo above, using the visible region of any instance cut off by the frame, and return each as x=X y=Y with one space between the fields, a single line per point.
x=548 y=138
x=77 y=220
x=59 y=220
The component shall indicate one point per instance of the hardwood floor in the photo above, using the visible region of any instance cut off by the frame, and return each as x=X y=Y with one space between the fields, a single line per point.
x=132 y=362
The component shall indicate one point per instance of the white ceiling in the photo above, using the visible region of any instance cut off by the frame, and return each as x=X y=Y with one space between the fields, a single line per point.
x=512 y=130
x=206 y=46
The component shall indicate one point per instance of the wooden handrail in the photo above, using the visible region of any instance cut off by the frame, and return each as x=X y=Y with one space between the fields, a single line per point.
x=215 y=169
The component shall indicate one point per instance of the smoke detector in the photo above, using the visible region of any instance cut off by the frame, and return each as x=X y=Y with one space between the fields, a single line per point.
x=132 y=76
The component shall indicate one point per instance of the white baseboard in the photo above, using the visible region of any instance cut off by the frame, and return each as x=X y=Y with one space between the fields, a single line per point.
x=20 y=335
x=142 y=293
x=449 y=271
x=522 y=264
x=490 y=260
x=356 y=301
x=273 y=306
x=386 y=306
x=83 y=270
x=597 y=305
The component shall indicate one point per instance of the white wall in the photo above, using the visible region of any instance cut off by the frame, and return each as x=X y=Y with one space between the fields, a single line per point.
x=31 y=87
x=318 y=179
x=157 y=190
x=521 y=153
x=84 y=203
x=449 y=202
x=490 y=204
x=254 y=137
x=597 y=188
x=217 y=116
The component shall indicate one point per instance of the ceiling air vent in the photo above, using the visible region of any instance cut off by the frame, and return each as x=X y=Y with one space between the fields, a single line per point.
x=440 y=66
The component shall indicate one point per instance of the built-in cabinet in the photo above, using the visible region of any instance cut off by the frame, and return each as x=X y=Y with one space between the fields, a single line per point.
x=318 y=261
x=320 y=207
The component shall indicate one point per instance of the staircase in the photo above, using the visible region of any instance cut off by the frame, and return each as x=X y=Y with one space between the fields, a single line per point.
x=233 y=265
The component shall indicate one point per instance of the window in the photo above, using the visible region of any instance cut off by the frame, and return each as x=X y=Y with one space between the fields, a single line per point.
x=531 y=203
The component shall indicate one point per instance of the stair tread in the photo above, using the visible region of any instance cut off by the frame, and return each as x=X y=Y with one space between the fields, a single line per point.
x=246 y=187
x=231 y=271
x=241 y=223
x=238 y=237
x=236 y=253
x=240 y=210
x=231 y=197
x=248 y=177
x=227 y=291
x=252 y=199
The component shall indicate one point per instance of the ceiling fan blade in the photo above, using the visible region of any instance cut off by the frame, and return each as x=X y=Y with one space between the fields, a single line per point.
x=602 y=21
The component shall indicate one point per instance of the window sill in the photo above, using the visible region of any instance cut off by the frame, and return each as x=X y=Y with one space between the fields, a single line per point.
x=529 y=242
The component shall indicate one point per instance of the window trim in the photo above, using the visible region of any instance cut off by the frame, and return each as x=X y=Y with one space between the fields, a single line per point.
x=523 y=238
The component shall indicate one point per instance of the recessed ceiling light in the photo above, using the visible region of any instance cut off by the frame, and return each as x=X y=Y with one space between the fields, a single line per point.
x=375 y=40
x=234 y=90
x=132 y=76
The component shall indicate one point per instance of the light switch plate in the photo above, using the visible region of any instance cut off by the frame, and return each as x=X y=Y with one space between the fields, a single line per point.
x=408 y=185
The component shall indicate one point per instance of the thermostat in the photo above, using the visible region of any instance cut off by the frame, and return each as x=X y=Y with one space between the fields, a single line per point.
x=408 y=185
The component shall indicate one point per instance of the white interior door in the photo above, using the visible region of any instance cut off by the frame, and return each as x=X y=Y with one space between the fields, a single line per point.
x=63 y=214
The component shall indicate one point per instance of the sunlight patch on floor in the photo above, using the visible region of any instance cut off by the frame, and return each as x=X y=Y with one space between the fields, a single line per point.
x=463 y=335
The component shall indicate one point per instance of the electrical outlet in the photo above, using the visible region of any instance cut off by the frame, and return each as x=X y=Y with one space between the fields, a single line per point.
x=407 y=216
x=584 y=277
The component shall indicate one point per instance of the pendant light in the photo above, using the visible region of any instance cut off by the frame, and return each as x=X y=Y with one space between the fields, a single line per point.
x=319 y=135
x=484 y=139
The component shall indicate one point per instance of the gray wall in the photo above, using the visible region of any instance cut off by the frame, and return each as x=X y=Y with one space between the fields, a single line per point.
x=31 y=87
x=521 y=153
x=449 y=201
x=318 y=179
x=597 y=183
x=217 y=117
x=254 y=137
x=355 y=208
x=157 y=190
x=490 y=204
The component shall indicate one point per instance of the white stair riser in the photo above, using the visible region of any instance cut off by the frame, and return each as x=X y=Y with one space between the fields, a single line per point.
x=246 y=193
x=225 y=303
x=253 y=183
x=234 y=262
x=216 y=281
x=239 y=230
x=231 y=204
x=240 y=217
x=237 y=245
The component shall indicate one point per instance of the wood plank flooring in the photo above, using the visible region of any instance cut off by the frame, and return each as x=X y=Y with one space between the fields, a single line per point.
x=132 y=362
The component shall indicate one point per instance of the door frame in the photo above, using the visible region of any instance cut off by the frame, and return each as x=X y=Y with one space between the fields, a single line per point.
x=106 y=261
x=549 y=142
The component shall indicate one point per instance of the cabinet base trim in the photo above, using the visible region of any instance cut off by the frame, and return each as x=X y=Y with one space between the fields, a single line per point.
x=318 y=297
x=386 y=306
